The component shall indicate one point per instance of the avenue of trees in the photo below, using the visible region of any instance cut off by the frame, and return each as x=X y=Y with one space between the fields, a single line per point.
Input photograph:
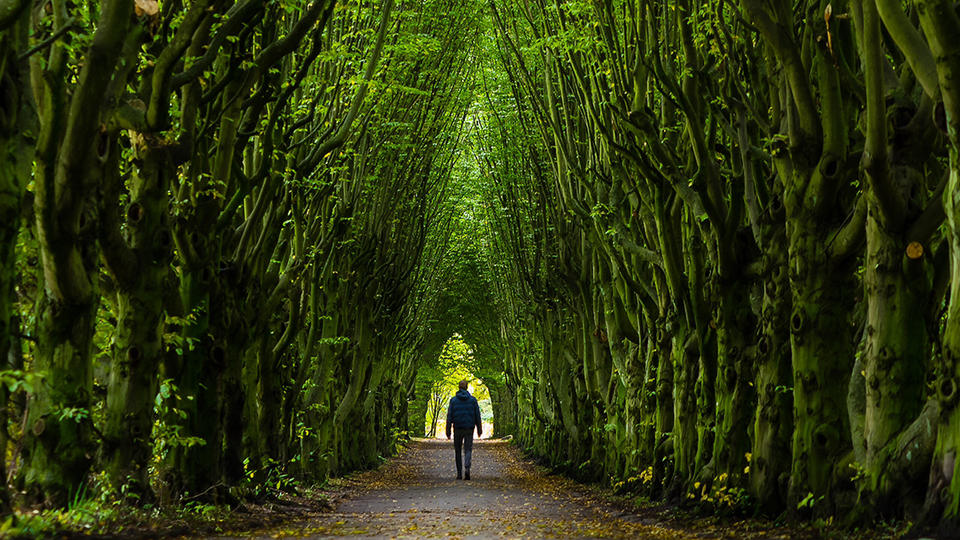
x=706 y=251
x=219 y=226
x=723 y=247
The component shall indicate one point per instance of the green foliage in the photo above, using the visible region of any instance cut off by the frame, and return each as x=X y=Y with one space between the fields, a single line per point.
x=76 y=414
x=271 y=477
x=300 y=224
x=17 y=380
x=720 y=496
x=169 y=429
x=809 y=502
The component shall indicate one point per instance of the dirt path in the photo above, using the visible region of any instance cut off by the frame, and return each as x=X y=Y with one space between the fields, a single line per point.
x=416 y=495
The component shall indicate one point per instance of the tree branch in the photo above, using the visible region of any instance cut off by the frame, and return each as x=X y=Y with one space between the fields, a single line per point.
x=47 y=42
x=910 y=42
x=875 y=158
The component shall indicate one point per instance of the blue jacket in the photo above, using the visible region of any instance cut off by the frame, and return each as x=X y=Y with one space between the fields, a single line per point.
x=464 y=412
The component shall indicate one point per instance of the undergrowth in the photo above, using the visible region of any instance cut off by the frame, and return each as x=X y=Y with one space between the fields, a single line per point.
x=112 y=517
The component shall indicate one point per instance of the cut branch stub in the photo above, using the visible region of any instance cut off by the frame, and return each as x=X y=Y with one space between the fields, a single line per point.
x=763 y=347
x=133 y=354
x=772 y=289
x=796 y=322
x=774 y=208
x=940 y=117
x=39 y=426
x=948 y=391
x=218 y=356
x=914 y=250
x=829 y=168
x=103 y=144
x=822 y=437
x=730 y=373
x=134 y=213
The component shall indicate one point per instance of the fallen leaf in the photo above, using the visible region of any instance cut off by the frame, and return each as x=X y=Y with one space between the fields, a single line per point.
x=146 y=7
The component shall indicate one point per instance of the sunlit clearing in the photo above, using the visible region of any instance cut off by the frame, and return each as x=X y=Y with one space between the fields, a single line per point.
x=452 y=367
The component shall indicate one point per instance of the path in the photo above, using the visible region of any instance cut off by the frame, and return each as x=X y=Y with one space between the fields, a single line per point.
x=416 y=495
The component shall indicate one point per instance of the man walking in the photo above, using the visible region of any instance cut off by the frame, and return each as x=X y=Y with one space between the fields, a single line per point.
x=463 y=414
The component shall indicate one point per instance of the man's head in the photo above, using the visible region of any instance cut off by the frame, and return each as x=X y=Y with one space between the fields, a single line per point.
x=463 y=384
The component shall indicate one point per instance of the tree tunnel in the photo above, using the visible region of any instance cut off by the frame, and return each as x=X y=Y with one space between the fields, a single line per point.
x=704 y=251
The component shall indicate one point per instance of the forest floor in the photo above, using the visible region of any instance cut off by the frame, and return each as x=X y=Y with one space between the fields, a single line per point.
x=416 y=495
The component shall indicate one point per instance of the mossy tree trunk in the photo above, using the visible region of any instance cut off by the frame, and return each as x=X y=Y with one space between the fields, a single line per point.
x=15 y=160
x=810 y=159
x=71 y=149
x=897 y=283
x=140 y=267
x=941 y=24
x=773 y=425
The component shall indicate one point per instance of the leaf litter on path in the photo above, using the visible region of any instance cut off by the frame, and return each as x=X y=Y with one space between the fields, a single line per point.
x=416 y=495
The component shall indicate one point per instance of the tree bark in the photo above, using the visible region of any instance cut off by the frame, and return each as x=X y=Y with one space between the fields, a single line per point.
x=58 y=448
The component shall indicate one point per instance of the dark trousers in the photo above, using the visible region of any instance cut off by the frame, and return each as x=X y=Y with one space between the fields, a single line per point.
x=463 y=440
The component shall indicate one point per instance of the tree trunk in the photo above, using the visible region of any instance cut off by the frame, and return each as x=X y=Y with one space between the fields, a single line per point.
x=137 y=348
x=706 y=404
x=71 y=149
x=685 y=366
x=822 y=349
x=773 y=424
x=269 y=400
x=941 y=25
x=233 y=406
x=196 y=468
x=14 y=171
x=942 y=506
x=58 y=449
x=735 y=395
